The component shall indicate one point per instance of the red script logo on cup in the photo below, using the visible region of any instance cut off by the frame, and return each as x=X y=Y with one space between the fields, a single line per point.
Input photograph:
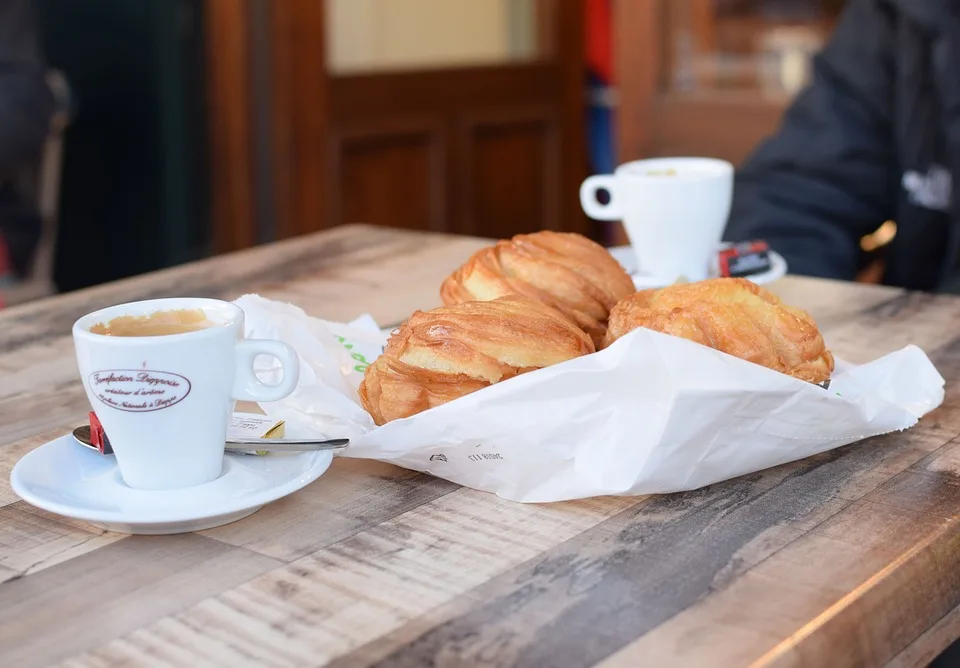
x=139 y=390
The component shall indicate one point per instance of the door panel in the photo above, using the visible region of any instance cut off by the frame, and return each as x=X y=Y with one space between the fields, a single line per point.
x=507 y=163
x=511 y=176
x=395 y=176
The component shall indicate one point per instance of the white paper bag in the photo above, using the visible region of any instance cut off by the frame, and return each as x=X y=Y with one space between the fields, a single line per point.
x=651 y=414
x=333 y=357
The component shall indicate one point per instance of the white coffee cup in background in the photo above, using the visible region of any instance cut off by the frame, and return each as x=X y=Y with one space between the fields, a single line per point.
x=674 y=211
x=165 y=400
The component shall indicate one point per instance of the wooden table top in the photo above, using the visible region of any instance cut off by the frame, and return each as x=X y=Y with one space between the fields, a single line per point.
x=848 y=558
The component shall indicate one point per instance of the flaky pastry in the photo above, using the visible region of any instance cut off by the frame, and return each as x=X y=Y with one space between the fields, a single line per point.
x=564 y=270
x=732 y=315
x=440 y=355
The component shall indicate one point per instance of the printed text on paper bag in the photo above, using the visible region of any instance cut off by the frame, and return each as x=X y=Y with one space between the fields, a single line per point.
x=482 y=456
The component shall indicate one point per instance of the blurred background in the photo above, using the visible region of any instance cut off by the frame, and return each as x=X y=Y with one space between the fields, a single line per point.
x=195 y=127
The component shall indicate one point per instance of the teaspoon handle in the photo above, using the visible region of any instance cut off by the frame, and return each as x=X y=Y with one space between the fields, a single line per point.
x=284 y=445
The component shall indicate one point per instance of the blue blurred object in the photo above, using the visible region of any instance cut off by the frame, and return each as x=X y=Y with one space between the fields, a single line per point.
x=600 y=118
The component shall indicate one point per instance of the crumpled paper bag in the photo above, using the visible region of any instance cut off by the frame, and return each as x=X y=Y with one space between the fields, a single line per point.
x=651 y=414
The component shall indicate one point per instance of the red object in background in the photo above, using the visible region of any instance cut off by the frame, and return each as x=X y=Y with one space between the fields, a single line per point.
x=744 y=259
x=6 y=267
x=599 y=39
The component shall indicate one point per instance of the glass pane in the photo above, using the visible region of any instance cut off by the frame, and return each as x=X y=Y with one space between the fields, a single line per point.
x=393 y=35
x=756 y=46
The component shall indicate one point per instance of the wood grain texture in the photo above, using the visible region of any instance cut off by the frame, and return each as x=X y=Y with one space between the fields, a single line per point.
x=366 y=585
x=355 y=494
x=31 y=540
x=646 y=572
x=849 y=558
x=925 y=649
x=570 y=50
x=46 y=616
x=638 y=61
x=11 y=453
x=429 y=139
x=231 y=134
x=299 y=114
x=390 y=171
x=500 y=202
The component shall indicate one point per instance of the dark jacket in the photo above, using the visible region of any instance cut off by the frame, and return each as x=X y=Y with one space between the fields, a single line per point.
x=26 y=105
x=875 y=137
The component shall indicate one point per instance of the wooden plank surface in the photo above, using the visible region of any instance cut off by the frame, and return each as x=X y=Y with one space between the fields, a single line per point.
x=850 y=558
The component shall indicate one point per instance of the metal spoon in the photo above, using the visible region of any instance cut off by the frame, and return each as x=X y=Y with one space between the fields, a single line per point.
x=250 y=446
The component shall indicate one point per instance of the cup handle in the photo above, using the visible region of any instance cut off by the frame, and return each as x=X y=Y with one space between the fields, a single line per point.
x=247 y=387
x=588 y=197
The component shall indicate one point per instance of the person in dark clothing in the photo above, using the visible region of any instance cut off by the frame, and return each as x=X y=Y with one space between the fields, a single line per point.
x=26 y=107
x=875 y=137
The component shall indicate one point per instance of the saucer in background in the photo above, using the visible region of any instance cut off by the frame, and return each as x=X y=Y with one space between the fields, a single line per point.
x=628 y=259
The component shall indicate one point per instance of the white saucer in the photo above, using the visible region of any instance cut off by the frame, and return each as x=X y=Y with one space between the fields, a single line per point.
x=68 y=479
x=626 y=257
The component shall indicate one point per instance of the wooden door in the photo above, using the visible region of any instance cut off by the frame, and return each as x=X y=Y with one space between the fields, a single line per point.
x=431 y=126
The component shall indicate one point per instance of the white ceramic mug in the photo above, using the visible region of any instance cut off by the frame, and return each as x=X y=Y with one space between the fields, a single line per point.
x=165 y=401
x=673 y=209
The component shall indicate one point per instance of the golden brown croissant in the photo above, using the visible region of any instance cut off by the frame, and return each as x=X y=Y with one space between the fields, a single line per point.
x=735 y=316
x=564 y=270
x=440 y=355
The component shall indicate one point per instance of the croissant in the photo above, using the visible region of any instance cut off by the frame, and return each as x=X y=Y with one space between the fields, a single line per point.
x=567 y=271
x=732 y=315
x=440 y=355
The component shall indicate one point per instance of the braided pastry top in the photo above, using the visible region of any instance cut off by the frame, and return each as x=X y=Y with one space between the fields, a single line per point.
x=732 y=315
x=567 y=271
x=440 y=355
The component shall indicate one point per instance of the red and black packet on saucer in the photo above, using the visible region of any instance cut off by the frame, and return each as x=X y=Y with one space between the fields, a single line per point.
x=744 y=259
x=98 y=437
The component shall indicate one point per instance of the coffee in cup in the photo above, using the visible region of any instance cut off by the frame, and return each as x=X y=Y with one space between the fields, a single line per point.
x=159 y=323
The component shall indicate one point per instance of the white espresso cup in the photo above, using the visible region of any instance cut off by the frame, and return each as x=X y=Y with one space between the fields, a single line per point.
x=673 y=209
x=165 y=401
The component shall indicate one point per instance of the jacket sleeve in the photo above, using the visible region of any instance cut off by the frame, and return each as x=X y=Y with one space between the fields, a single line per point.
x=26 y=104
x=828 y=176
